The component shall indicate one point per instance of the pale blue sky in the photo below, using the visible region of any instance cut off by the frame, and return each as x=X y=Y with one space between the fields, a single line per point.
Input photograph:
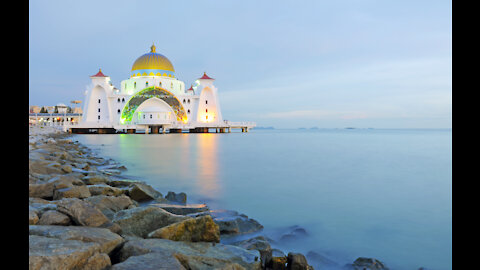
x=361 y=63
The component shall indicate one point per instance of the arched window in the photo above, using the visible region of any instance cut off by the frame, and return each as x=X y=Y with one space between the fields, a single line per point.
x=118 y=100
x=123 y=100
x=189 y=101
x=144 y=116
x=146 y=84
x=99 y=117
x=160 y=84
x=188 y=111
x=183 y=101
x=150 y=116
x=206 y=101
x=98 y=100
x=98 y=109
x=118 y=111
x=135 y=85
x=206 y=116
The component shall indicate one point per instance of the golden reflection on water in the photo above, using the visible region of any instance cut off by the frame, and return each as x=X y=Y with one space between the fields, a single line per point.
x=207 y=164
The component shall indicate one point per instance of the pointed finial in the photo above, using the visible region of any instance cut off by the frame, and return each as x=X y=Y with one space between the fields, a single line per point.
x=99 y=70
x=152 y=49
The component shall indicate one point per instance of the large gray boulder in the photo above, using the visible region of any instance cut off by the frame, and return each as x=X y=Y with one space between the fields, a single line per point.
x=200 y=229
x=82 y=213
x=109 y=205
x=199 y=255
x=51 y=253
x=150 y=261
x=140 y=221
x=106 y=240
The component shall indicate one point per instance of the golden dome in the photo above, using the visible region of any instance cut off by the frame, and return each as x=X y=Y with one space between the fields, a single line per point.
x=153 y=62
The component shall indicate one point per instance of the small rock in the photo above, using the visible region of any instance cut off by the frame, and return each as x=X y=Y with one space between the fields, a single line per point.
x=72 y=192
x=177 y=197
x=52 y=217
x=104 y=190
x=143 y=192
x=67 y=168
x=363 y=263
x=32 y=217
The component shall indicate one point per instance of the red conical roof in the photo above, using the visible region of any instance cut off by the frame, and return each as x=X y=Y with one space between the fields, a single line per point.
x=99 y=74
x=191 y=87
x=205 y=77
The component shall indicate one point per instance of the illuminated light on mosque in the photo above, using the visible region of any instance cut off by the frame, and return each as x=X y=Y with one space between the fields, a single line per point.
x=156 y=99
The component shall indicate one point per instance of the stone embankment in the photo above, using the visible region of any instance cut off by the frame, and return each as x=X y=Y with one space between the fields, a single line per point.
x=82 y=216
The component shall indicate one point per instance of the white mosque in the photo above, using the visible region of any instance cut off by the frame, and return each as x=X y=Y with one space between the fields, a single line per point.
x=153 y=100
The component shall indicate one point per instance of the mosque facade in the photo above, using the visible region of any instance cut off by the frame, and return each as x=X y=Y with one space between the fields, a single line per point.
x=153 y=99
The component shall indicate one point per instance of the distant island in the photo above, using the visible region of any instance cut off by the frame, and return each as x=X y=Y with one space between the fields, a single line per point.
x=264 y=128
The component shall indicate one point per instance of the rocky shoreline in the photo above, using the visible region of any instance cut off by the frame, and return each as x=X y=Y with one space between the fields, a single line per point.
x=83 y=216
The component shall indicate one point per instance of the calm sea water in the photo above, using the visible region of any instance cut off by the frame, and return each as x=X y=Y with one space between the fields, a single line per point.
x=385 y=194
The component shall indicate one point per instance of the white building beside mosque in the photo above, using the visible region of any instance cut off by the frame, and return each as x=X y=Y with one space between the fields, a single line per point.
x=153 y=99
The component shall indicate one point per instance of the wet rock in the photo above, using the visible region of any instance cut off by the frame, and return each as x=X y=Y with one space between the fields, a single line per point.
x=95 y=179
x=363 y=263
x=182 y=209
x=82 y=213
x=143 y=192
x=41 y=190
x=41 y=208
x=65 y=181
x=72 y=192
x=109 y=205
x=233 y=223
x=296 y=261
x=52 y=217
x=201 y=229
x=67 y=168
x=279 y=263
x=278 y=253
x=32 y=217
x=105 y=190
x=123 y=183
x=198 y=255
x=321 y=260
x=106 y=239
x=177 y=197
x=52 y=253
x=261 y=244
x=295 y=232
x=150 y=261
x=140 y=221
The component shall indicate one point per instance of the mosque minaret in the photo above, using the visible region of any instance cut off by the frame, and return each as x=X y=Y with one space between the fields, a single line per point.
x=153 y=100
